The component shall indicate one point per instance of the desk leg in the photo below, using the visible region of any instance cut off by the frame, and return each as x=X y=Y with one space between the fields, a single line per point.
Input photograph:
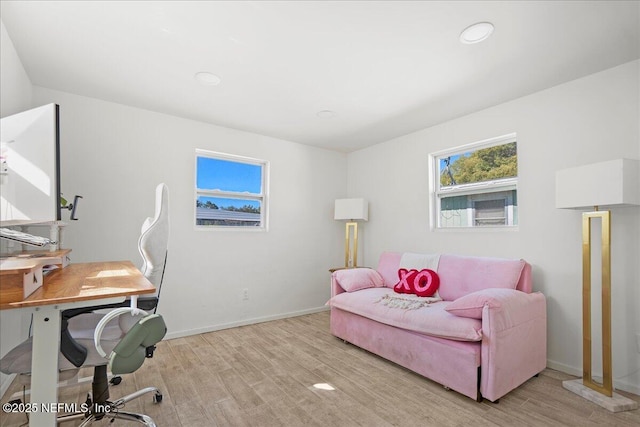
x=44 y=364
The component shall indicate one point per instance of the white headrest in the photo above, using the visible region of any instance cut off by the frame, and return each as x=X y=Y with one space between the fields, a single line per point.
x=154 y=238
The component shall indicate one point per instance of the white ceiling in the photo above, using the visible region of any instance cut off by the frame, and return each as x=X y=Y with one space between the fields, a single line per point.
x=385 y=68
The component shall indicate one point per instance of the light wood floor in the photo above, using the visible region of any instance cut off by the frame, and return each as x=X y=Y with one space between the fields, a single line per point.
x=263 y=375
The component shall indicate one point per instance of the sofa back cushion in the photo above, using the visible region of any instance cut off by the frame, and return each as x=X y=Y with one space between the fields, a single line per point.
x=388 y=266
x=461 y=275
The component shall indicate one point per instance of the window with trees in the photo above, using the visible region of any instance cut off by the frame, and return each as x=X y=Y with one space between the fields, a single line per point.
x=231 y=191
x=476 y=185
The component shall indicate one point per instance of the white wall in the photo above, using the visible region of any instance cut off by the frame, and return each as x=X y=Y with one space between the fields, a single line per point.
x=15 y=85
x=114 y=156
x=15 y=96
x=584 y=121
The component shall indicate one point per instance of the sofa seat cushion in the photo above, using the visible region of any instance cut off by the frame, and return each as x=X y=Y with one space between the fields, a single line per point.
x=430 y=320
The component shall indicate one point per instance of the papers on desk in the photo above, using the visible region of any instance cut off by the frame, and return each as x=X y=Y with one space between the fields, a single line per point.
x=25 y=238
x=46 y=269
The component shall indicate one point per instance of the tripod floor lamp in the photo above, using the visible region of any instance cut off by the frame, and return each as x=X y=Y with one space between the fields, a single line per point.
x=351 y=210
x=614 y=183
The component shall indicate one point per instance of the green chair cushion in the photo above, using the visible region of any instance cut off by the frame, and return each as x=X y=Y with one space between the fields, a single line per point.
x=130 y=352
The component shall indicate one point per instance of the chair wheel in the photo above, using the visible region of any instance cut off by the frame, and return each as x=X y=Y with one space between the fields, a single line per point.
x=157 y=398
x=115 y=380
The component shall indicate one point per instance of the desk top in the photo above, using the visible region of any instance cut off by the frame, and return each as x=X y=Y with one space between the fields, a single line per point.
x=87 y=281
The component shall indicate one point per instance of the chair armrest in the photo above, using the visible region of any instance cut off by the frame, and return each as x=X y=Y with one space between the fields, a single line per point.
x=72 y=350
x=514 y=343
x=75 y=352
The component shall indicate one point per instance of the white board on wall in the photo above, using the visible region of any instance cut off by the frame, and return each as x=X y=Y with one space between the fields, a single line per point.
x=30 y=166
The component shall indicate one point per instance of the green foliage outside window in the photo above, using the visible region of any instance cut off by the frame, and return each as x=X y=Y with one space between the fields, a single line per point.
x=481 y=165
x=210 y=205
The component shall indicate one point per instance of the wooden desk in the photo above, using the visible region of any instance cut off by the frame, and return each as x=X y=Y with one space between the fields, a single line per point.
x=77 y=285
x=87 y=282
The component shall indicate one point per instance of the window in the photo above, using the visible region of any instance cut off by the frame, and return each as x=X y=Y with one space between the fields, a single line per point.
x=476 y=185
x=231 y=191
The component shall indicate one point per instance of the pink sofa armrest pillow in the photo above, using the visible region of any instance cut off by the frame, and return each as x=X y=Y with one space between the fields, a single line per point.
x=471 y=305
x=354 y=279
x=460 y=275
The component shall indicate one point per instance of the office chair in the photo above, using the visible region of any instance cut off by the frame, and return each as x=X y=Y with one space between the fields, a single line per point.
x=121 y=357
x=80 y=326
x=125 y=358
x=152 y=245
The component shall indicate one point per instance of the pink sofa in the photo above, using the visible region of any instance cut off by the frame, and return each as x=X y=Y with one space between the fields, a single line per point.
x=485 y=337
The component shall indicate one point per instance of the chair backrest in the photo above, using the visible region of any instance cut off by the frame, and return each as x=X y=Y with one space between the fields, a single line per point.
x=154 y=239
x=132 y=349
x=130 y=352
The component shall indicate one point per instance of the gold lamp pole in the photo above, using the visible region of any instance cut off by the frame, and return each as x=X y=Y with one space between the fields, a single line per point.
x=348 y=247
x=607 y=379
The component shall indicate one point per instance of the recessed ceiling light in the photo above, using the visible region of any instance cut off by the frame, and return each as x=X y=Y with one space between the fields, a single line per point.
x=207 y=78
x=476 y=33
x=326 y=114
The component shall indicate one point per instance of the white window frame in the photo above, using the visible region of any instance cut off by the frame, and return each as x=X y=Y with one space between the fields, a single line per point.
x=480 y=188
x=262 y=197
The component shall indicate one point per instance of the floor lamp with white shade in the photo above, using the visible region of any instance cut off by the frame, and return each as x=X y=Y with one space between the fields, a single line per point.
x=614 y=183
x=351 y=210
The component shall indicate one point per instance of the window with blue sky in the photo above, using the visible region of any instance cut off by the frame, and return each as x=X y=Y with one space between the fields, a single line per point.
x=476 y=185
x=230 y=191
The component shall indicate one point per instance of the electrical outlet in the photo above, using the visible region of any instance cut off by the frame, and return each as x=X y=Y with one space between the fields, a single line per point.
x=245 y=294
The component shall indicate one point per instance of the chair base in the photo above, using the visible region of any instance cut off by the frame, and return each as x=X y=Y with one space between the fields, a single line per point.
x=110 y=410
x=72 y=381
x=101 y=407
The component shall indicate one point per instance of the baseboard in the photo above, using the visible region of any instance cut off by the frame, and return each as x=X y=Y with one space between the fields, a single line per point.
x=618 y=384
x=567 y=369
x=627 y=386
x=245 y=322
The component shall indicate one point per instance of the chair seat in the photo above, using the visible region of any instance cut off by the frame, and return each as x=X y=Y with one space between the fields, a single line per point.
x=18 y=360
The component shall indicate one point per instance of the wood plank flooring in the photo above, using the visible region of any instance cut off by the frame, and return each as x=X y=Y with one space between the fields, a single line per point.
x=263 y=375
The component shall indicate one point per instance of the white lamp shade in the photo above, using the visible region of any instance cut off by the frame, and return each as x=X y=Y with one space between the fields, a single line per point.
x=610 y=183
x=351 y=209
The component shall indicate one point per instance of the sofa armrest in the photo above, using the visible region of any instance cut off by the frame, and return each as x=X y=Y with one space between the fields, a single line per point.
x=335 y=287
x=514 y=343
